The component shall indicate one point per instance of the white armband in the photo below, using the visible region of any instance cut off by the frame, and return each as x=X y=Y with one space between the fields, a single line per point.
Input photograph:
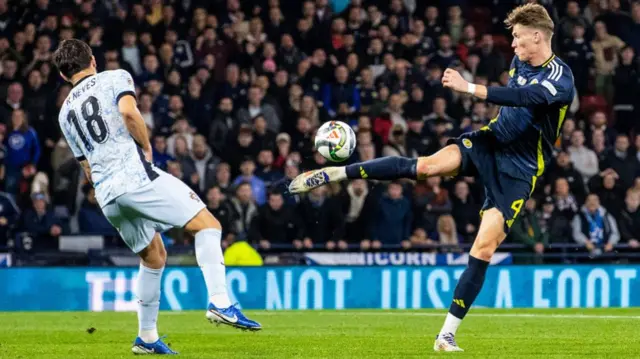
x=471 y=88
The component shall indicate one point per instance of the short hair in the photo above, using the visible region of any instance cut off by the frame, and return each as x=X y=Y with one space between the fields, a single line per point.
x=72 y=56
x=531 y=15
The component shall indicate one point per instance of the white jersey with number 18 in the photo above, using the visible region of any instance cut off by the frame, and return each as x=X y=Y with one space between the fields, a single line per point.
x=94 y=128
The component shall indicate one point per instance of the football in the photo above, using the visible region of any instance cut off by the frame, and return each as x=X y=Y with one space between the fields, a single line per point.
x=336 y=141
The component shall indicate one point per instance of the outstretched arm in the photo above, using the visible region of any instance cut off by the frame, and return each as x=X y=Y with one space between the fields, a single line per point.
x=535 y=94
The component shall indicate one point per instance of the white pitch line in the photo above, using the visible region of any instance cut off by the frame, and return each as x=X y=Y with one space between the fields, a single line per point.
x=419 y=314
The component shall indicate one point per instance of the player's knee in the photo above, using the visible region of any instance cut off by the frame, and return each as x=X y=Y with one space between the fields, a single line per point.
x=203 y=220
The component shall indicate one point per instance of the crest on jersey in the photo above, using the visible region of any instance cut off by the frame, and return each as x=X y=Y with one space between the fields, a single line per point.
x=467 y=143
x=533 y=82
x=521 y=80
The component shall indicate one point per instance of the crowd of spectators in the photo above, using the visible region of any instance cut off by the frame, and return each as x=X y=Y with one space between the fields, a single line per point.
x=232 y=92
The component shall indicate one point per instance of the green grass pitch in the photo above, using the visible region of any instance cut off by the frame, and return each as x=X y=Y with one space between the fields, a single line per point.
x=485 y=333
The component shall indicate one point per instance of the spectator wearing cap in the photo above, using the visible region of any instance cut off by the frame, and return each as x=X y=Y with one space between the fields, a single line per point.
x=584 y=159
x=526 y=230
x=23 y=150
x=91 y=220
x=257 y=107
x=41 y=223
x=594 y=228
x=341 y=93
x=396 y=145
x=247 y=175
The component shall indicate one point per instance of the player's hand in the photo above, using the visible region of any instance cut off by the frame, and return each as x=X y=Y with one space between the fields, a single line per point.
x=55 y=230
x=590 y=246
x=453 y=80
x=608 y=247
x=3 y=221
x=539 y=248
x=633 y=243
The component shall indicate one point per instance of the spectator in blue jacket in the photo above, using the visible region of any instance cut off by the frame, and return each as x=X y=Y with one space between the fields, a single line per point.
x=9 y=215
x=247 y=174
x=42 y=224
x=160 y=155
x=393 y=218
x=91 y=220
x=341 y=92
x=23 y=149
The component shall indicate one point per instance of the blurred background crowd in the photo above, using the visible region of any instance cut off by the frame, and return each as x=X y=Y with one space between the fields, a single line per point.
x=232 y=92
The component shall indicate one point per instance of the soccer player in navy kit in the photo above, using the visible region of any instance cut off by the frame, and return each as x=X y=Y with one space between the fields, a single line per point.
x=508 y=155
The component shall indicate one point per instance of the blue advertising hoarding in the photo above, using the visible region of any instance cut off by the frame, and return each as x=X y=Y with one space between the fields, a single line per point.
x=273 y=288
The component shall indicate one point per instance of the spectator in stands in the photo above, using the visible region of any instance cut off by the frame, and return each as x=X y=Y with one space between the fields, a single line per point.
x=465 y=211
x=621 y=161
x=181 y=129
x=90 y=217
x=358 y=204
x=430 y=201
x=13 y=102
x=393 y=218
x=201 y=165
x=247 y=175
x=629 y=220
x=222 y=126
x=9 y=216
x=266 y=171
x=565 y=202
x=322 y=220
x=42 y=224
x=276 y=223
x=594 y=228
x=526 y=229
x=446 y=234
x=563 y=168
x=584 y=160
x=557 y=228
x=160 y=155
x=341 y=93
x=23 y=151
x=262 y=135
x=579 y=55
x=605 y=47
x=219 y=207
x=609 y=190
x=244 y=210
x=625 y=82
x=598 y=121
x=223 y=178
x=258 y=107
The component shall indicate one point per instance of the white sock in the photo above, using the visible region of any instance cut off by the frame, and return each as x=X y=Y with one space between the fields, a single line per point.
x=148 y=293
x=337 y=174
x=451 y=324
x=211 y=262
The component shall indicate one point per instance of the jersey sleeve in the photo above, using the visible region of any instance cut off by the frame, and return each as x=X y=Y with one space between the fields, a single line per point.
x=123 y=84
x=72 y=138
x=555 y=87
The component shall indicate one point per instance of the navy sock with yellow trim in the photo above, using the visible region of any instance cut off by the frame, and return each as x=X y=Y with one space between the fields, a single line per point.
x=468 y=287
x=384 y=169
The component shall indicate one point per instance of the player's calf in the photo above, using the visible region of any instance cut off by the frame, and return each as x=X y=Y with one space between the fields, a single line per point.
x=208 y=232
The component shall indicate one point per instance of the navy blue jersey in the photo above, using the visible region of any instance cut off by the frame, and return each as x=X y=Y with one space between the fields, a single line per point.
x=534 y=105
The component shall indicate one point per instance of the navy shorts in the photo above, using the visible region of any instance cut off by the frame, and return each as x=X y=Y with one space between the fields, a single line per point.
x=506 y=193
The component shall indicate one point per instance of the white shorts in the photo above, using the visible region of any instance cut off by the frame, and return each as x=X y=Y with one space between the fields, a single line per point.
x=163 y=204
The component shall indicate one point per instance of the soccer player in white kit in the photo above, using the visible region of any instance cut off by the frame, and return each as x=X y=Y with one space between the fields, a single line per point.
x=108 y=136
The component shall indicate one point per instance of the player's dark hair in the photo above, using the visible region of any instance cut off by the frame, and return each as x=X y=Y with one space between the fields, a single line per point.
x=531 y=15
x=72 y=56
